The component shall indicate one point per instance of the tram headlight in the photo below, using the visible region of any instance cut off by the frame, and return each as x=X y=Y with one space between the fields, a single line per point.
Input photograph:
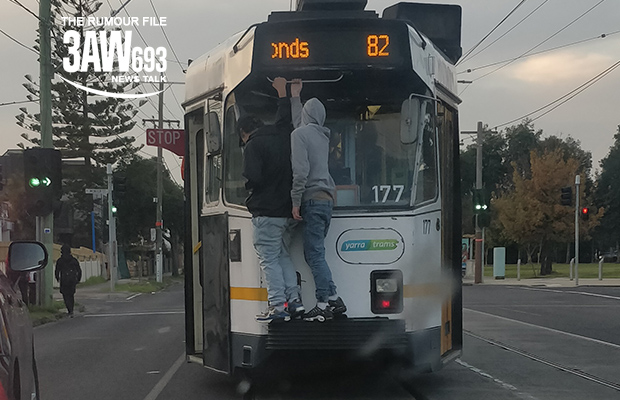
x=386 y=291
x=387 y=285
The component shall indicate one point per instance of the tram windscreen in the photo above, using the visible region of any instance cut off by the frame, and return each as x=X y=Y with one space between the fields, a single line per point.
x=368 y=162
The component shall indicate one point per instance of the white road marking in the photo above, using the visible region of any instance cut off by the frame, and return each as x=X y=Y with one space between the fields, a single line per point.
x=503 y=384
x=604 y=296
x=133 y=296
x=135 y=314
x=159 y=387
x=615 y=346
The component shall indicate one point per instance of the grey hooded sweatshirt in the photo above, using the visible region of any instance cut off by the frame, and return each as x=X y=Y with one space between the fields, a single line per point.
x=310 y=153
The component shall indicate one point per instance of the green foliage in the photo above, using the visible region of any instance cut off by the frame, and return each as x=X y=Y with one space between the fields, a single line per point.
x=608 y=196
x=137 y=211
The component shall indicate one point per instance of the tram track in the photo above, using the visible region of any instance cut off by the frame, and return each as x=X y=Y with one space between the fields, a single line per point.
x=541 y=360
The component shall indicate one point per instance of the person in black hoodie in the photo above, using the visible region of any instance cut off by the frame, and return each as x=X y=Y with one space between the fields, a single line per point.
x=68 y=273
x=268 y=173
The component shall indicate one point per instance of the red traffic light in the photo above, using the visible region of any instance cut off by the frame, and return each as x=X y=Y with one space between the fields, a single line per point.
x=585 y=210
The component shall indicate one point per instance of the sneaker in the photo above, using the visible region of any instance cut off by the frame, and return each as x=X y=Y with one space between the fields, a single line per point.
x=296 y=308
x=316 y=314
x=337 y=306
x=273 y=314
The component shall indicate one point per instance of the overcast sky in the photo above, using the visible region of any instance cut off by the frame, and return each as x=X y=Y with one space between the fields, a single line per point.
x=523 y=86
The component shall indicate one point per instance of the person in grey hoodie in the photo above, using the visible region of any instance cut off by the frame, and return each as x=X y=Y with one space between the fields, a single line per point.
x=312 y=195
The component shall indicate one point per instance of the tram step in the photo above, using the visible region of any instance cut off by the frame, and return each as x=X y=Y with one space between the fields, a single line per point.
x=337 y=334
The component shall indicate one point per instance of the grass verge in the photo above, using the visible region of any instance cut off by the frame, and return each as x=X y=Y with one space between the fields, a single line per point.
x=532 y=271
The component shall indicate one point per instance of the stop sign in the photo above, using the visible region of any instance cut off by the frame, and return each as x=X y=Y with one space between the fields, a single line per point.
x=170 y=139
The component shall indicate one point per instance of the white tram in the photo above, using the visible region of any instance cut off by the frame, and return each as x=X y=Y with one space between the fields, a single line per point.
x=389 y=87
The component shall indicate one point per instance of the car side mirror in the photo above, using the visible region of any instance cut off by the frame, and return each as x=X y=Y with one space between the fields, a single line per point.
x=27 y=256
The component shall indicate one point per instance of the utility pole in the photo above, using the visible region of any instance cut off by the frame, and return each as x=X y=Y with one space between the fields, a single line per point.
x=112 y=258
x=159 y=256
x=478 y=240
x=577 y=182
x=45 y=224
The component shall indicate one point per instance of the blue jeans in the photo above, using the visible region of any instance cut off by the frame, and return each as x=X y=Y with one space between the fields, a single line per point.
x=272 y=237
x=317 y=215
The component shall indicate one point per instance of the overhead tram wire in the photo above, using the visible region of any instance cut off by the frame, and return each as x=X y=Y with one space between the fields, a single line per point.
x=543 y=42
x=509 y=30
x=568 y=96
x=488 y=34
x=10 y=103
x=144 y=41
x=601 y=36
x=171 y=48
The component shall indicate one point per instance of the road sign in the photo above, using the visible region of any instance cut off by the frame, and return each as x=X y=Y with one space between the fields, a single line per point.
x=170 y=139
x=102 y=192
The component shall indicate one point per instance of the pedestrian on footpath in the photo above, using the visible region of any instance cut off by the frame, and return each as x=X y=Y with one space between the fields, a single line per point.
x=312 y=196
x=267 y=169
x=68 y=273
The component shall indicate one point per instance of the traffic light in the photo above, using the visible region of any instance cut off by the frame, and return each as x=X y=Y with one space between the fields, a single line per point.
x=479 y=201
x=42 y=180
x=119 y=182
x=567 y=196
x=585 y=212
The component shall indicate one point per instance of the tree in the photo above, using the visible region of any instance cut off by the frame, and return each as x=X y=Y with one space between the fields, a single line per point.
x=136 y=210
x=608 y=196
x=532 y=215
x=85 y=126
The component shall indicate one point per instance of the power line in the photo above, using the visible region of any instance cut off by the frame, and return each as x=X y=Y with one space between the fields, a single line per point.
x=544 y=41
x=25 y=8
x=488 y=34
x=509 y=30
x=568 y=96
x=601 y=36
x=18 y=42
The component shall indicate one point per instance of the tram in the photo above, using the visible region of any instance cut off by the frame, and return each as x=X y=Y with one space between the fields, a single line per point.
x=394 y=245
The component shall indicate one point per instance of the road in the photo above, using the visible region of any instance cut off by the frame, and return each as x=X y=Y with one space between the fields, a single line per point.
x=519 y=343
x=533 y=343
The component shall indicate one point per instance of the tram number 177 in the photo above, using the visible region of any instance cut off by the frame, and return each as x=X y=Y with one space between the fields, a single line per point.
x=385 y=190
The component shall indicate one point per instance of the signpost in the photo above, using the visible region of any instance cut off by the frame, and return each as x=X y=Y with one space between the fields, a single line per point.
x=169 y=139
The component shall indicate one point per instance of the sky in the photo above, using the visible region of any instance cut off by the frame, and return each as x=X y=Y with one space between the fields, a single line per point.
x=556 y=46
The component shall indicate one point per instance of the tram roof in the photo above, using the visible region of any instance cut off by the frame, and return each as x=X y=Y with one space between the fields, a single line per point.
x=225 y=66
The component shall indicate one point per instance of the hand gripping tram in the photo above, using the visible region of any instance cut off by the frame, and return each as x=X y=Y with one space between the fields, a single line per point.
x=394 y=245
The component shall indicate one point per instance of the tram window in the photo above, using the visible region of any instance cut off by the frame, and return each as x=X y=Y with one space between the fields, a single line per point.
x=426 y=182
x=214 y=176
x=234 y=186
x=368 y=162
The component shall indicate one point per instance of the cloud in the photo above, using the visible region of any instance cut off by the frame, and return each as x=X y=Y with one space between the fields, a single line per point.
x=557 y=68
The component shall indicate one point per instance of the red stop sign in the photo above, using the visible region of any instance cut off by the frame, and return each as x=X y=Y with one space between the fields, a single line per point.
x=170 y=139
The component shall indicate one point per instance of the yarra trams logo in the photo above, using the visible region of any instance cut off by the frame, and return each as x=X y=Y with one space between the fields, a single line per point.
x=99 y=50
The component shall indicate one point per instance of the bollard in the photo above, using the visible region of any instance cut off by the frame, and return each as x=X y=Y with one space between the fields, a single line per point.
x=572 y=262
x=519 y=269
x=600 y=269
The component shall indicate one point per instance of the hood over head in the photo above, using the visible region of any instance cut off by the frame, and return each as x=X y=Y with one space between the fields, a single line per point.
x=313 y=112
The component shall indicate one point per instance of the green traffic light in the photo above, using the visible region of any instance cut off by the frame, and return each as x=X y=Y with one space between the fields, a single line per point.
x=114 y=209
x=34 y=182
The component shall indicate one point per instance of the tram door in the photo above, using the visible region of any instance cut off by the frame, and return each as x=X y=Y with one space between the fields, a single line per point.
x=214 y=260
x=451 y=225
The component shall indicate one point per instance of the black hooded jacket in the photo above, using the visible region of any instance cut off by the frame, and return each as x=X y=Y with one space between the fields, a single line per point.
x=267 y=166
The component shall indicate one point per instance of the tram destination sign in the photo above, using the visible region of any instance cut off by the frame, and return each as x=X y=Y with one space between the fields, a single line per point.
x=361 y=45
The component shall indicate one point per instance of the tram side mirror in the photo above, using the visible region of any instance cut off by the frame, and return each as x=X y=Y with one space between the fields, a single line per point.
x=409 y=120
x=214 y=134
x=27 y=256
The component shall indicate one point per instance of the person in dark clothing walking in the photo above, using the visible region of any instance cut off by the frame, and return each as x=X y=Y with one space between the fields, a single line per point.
x=267 y=169
x=68 y=274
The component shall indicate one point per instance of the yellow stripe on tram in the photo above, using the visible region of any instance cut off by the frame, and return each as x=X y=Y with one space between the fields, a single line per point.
x=248 y=293
x=425 y=290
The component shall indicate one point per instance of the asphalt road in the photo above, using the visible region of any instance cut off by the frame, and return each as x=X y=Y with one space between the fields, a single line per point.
x=533 y=343
x=519 y=343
